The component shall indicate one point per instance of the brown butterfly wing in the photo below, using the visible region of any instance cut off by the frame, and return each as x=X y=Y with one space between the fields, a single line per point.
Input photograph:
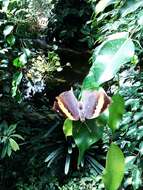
x=67 y=104
x=94 y=103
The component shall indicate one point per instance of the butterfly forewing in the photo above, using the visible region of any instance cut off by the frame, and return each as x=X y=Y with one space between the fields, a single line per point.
x=67 y=104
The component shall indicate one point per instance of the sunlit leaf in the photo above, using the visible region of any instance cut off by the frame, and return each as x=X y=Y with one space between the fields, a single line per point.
x=13 y=144
x=102 y=4
x=67 y=127
x=17 y=63
x=85 y=134
x=129 y=161
x=114 y=171
x=116 y=111
x=108 y=58
x=131 y=6
x=136 y=177
x=67 y=164
x=8 y=29
x=5 y=4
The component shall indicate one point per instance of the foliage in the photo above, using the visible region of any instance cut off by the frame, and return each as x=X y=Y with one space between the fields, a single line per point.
x=31 y=77
x=7 y=139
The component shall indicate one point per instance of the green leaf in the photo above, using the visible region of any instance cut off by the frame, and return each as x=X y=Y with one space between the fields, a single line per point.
x=136 y=178
x=108 y=58
x=116 y=111
x=13 y=144
x=129 y=161
x=23 y=58
x=17 y=136
x=85 y=134
x=131 y=6
x=102 y=4
x=114 y=170
x=8 y=29
x=10 y=39
x=67 y=127
x=17 y=63
x=9 y=151
x=17 y=77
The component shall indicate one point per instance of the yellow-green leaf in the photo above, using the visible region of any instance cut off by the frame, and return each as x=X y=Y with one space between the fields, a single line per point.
x=114 y=170
x=67 y=127
x=13 y=144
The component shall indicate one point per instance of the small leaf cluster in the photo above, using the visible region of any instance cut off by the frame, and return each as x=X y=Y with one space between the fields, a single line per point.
x=7 y=139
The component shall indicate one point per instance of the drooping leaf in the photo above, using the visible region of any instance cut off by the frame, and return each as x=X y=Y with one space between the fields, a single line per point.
x=13 y=144
x=67 y=127
x=108 y=58
x=114 y=170
x=8 y=29
x=116 y=111
x=85 y=134
x=67 y=164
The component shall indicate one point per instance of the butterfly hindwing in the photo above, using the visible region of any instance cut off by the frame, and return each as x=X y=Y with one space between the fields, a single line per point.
x=94 y=103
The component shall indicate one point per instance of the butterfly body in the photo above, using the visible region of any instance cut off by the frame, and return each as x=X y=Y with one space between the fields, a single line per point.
x=91 y=104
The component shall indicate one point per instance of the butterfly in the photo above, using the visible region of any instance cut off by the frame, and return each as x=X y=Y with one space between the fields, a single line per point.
x=90 y=106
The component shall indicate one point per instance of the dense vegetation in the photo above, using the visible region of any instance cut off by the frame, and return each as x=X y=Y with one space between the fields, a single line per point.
x=47 y=47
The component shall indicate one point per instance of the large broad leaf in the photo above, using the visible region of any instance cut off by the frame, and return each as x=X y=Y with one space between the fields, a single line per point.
x=108 y=58
x=67 y=127
x=114 y=171
x=85 y=134
x=116 y=111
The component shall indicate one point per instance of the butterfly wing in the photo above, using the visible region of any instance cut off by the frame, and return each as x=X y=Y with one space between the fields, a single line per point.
x=67 y=104
x=94 y=103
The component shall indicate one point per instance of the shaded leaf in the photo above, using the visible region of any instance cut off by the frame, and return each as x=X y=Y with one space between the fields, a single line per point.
x=116 y=111
x=85 y=134
x=114 y=170
x=10 y=39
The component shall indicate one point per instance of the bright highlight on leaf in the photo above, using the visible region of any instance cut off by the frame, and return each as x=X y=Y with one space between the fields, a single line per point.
x=115 y=166
x=108 y=58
